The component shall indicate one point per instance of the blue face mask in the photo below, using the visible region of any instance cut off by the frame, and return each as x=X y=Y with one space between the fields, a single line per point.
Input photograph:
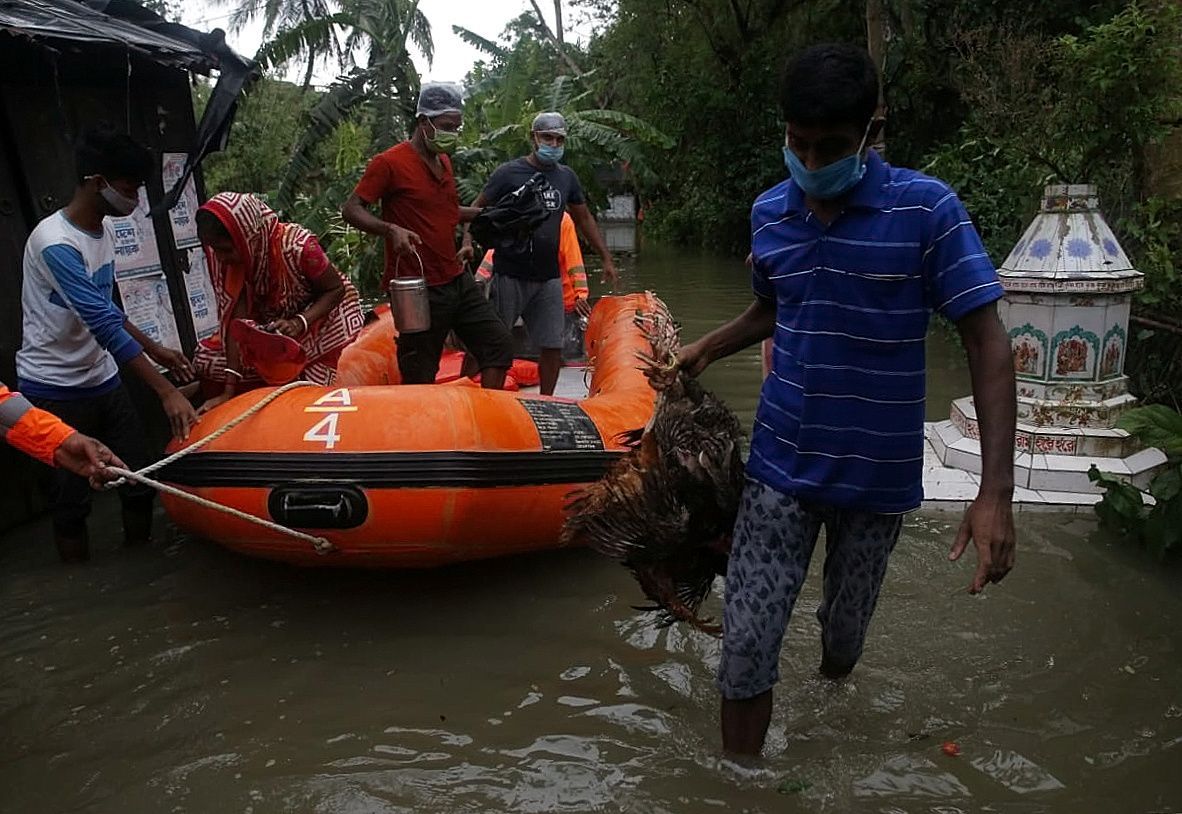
x=549 y=154
x=832 y=180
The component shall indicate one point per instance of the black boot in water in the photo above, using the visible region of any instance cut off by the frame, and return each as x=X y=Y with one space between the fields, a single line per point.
x=137 y=524
x=73 y=545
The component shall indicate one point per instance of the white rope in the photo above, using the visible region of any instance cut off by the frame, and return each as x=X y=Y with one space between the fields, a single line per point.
x=218 y=433
x=321 y=545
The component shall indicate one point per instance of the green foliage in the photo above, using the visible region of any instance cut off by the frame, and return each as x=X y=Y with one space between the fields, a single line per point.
x=1153 y=363
x=342 y=160
x=998 y=188
x=264 y=132
x=527 y=76
x=309 y=40
x=1081 y=107
x=1153 y=233
x=382 y=93
x=924 y=73
x=707 y=72
x=997 y=96
x=1123 y=508
x=1122 y=79
x=1155 y=426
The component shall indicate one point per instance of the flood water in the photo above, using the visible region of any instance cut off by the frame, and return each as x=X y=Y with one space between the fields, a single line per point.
x=182 y=678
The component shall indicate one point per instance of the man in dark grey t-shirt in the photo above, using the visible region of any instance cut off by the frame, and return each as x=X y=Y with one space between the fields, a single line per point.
x=526 y=281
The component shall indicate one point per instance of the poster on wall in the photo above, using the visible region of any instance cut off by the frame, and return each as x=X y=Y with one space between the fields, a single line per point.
x=202 y=300
x=143 y=288
x=136 y=252
x=146 y=303
x=184 y=226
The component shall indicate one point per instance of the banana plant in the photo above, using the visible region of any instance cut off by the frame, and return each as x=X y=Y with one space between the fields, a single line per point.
x=315 y=42
x=502 y=103
x=383 y=91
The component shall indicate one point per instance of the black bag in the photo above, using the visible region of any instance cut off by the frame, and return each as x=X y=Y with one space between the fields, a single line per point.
x=510 y=222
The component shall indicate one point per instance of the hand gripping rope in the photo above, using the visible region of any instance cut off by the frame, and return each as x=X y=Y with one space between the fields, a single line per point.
x=320 y=544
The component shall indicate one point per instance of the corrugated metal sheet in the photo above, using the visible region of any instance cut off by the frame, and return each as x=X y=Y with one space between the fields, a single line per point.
x=66 y=20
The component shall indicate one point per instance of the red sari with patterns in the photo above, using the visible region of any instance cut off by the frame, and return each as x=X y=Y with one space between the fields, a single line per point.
x=284 y=259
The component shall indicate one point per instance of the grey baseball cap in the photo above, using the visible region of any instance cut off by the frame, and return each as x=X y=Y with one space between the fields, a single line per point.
x=549 y=123
x=437 y=98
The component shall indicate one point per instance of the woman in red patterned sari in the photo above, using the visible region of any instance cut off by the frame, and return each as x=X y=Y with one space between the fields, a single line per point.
x=277 y=275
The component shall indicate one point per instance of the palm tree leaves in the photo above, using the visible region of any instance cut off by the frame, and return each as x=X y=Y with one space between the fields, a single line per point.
x=333 y=108
x=318 y=36
x=485 y=46
x=635 y=127
x=560 y=92
x=312 y=41
x=502 y=105
x=385 y=90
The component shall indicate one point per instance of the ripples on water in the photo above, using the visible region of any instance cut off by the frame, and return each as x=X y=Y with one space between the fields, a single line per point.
x=183 y=678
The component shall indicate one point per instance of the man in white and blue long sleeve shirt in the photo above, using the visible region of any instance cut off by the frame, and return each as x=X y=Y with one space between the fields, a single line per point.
x=75 y=339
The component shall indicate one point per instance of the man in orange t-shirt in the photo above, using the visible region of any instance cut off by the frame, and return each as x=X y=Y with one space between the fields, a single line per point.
x=50 y=440
x=420 y=214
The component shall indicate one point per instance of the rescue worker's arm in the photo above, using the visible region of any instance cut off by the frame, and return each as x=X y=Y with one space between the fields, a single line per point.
x=49 y=439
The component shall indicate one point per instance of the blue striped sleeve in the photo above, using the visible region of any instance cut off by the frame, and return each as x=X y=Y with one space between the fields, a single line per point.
x=93 y=306
x=959 y=275
x=760 y=284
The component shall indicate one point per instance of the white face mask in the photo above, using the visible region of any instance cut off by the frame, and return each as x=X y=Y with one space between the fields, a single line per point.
x=122 y=205
x=119 y=203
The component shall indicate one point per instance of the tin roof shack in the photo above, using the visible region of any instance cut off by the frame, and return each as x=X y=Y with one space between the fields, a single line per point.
x=65 y=66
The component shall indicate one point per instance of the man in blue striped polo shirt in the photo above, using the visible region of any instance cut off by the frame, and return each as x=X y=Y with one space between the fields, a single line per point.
x=849 y=258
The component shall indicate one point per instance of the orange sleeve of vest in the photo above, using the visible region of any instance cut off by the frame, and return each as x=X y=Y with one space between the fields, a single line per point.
x=486 y=266
x=569 y=253
x=570 y=260
x=35 y=432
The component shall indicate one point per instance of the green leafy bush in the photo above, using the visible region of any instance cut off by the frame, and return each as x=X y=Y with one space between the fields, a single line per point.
x=1124 y=508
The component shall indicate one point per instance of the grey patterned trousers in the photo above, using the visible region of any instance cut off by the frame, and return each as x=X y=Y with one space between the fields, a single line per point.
x=773 y=543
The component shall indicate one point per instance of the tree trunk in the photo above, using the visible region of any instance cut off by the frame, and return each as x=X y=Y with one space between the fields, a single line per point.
x=558 y=21
x=876 y=45
x=308 y=72
x=545 y=29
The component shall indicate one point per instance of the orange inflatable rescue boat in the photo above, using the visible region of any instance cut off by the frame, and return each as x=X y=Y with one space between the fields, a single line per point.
x=413 y=475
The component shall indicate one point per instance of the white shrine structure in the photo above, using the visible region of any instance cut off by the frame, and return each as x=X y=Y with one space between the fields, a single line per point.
x=1068 y=290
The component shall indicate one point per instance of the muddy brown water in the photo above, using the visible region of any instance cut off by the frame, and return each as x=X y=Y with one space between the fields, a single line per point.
x=182 y=678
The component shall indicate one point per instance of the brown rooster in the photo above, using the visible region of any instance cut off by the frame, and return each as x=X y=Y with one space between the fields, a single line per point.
x=667 y=508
